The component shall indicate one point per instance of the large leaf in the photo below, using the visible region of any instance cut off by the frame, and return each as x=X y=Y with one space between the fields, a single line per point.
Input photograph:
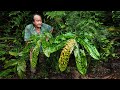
x=35 y=43
x=65 y=54
x=91 y=49
x=80 y=59
x=51 y=48
x=55 y=44
x=35 y=53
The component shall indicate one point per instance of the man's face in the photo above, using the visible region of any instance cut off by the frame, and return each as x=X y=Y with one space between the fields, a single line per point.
x=37 y=21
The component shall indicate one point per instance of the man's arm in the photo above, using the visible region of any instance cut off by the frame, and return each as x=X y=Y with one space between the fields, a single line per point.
x=27 y=34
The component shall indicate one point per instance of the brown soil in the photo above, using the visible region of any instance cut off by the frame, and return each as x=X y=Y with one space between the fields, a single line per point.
x=109 y=70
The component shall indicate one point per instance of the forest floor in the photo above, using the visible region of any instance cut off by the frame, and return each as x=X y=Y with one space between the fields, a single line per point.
x=108 y=70
x=101 y=70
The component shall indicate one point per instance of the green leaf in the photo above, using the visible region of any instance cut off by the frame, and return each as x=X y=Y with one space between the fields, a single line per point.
x=63 y=26
x=21 y=67
x=11 y=62
x=6 y=72
x=2 y=53
x=48 y=49
x=13 y=53
x=2 y=59
x=63 y=37
x=3 y=45
x=91 y=49
x=65 y=54
x=80 y=58
x=35 y=53
x=6 y=38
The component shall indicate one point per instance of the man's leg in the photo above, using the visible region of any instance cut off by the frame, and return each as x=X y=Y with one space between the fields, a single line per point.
x=41 y=56
x=42 y=66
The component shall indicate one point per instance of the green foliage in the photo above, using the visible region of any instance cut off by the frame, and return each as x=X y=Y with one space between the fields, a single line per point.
x=5 y=46
x=91 y=49
x=6 y=72
x=55 y=44
x=10 y=63
x=15 y=22
x=55 y=14
x=116 y=17
x=79 y=55
x=83 y=24
x=81 y=60
x=22 y=55
x=55 y=18
x=13 y=53
x=88 y=28
x=35 y=53
x=21 y=68
x=65 y=54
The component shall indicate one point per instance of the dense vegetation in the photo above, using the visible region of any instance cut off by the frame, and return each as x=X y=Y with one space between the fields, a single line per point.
x=90 y=37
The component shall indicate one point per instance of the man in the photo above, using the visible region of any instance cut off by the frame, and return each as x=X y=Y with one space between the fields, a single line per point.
x=36 y=28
